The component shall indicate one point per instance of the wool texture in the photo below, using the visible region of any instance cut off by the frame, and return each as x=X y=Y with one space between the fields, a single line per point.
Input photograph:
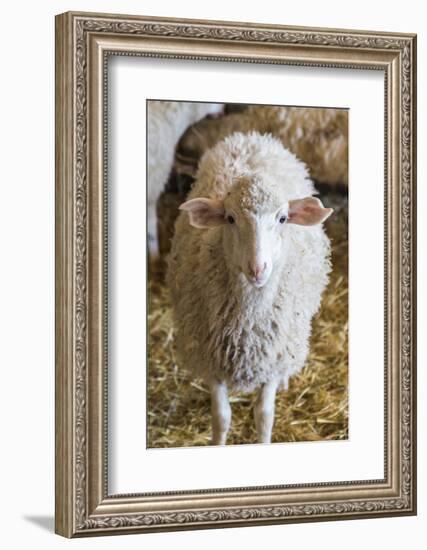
x=227 y=329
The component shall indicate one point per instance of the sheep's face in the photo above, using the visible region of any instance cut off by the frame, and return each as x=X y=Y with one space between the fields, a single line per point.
x=254 y=238
x=254 y=242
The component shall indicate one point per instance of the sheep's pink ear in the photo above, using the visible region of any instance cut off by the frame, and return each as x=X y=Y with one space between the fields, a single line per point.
x=204 y=213
x=308 y=211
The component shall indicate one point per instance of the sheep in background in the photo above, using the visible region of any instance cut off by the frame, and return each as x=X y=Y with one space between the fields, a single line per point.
x=318 y=136
x=248 y=265
x=167 y=121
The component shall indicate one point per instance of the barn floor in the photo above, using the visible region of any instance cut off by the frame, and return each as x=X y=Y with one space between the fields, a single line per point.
x=315 y=407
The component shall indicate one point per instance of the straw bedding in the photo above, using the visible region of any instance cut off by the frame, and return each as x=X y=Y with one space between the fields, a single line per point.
x=315 y=407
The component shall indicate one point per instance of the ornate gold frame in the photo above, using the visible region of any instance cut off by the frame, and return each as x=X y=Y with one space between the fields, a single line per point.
x=83 y=42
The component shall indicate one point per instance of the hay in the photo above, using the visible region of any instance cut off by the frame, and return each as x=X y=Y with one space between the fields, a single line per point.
x=314 y=408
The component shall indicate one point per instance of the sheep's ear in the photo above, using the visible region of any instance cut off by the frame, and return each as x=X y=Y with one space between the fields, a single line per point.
x=204 y=213
x=308 y=211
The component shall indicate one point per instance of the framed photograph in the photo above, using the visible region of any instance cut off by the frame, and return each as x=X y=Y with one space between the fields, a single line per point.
x=235 y=274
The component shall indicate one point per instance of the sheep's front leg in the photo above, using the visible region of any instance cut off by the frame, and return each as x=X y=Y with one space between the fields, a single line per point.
x=264 y=411
x=221 y=412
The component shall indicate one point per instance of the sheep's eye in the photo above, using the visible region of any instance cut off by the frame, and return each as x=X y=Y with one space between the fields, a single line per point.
x=230 y=219
x=282 y=219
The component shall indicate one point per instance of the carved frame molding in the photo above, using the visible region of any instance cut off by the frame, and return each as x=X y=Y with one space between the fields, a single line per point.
x=83 y=43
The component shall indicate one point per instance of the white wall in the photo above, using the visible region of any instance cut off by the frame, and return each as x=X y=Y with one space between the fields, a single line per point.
x=27 y=267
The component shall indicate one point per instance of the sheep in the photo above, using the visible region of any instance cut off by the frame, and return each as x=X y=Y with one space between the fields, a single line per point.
x=248 y=265
x=317 y=136
x=166 y=121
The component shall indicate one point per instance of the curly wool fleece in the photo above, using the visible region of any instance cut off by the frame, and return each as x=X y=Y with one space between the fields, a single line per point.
x=226 y=329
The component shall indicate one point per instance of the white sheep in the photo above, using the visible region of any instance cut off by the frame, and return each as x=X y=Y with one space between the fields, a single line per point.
x=167 y=121
x=248 y=265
